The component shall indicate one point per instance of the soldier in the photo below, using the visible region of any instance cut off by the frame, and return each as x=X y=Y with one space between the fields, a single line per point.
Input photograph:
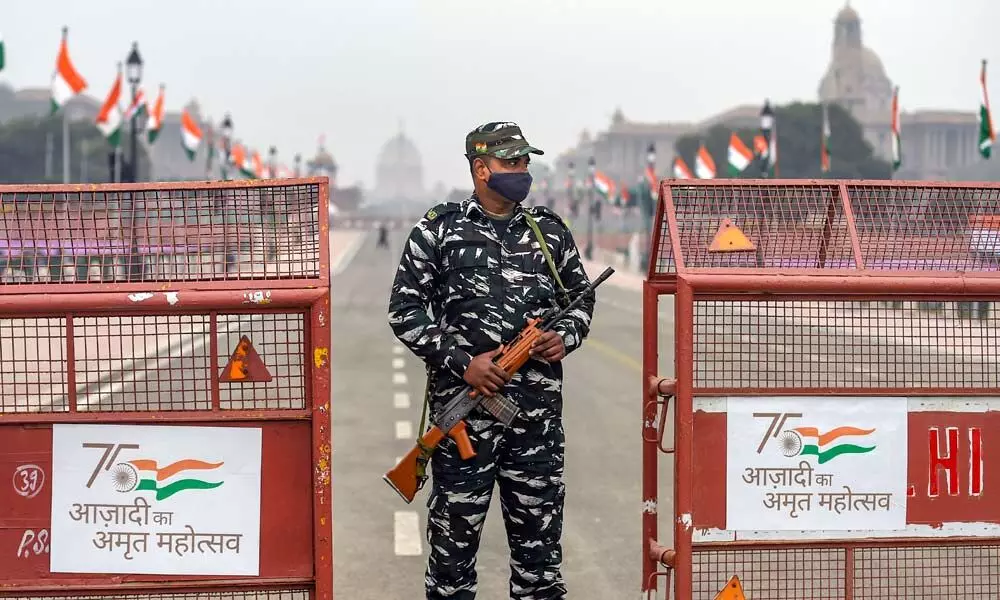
x=483 y=267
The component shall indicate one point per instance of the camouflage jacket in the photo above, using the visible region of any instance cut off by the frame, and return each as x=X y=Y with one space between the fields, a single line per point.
x=460 y=291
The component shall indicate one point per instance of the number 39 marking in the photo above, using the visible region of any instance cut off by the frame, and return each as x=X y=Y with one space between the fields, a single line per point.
x=29 y=480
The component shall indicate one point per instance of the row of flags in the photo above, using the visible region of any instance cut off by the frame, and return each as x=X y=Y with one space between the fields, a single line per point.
x=739 y=157
x=68 y=83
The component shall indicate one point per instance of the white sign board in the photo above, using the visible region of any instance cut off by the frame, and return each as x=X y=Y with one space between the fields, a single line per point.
x=816 y=463
x=155 y=500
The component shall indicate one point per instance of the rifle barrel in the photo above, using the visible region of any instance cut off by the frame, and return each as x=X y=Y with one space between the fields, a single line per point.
x=551 y=321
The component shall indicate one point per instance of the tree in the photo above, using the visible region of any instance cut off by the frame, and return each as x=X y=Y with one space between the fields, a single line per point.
x=799 y=129
x=23 y=148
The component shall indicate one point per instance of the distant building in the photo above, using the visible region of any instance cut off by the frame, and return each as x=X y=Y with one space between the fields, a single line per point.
x=936 y=143
x=169 y=159
x=399 y=172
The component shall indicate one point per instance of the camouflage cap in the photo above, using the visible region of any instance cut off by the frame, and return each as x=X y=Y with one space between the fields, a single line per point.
x=501 y=139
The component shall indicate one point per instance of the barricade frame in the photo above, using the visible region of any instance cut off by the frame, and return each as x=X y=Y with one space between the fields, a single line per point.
x=281 y=288
x=965 y=278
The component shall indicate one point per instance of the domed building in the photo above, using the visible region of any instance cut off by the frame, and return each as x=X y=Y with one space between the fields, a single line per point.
x=856 y=80
x=322 y=164
x=399 y=172
x=937 y=144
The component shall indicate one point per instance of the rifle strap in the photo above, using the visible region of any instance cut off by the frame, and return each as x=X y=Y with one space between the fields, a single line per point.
x=425 y=452
x=545 y=251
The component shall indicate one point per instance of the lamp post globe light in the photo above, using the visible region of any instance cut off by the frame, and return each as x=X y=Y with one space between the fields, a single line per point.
x=766 y=128
x=227 y=144
x=133 y=72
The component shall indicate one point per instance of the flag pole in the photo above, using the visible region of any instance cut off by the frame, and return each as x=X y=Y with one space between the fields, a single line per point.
x=65 y=148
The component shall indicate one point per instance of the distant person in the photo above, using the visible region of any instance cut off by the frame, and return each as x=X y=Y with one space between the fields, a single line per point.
x=383 y=235
x=483 y=266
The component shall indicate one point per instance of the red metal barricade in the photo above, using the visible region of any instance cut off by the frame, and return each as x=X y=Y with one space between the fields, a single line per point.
x=837 y=358
x=165 y=391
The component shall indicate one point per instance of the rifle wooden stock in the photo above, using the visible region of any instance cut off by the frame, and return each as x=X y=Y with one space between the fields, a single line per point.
x=403 y=477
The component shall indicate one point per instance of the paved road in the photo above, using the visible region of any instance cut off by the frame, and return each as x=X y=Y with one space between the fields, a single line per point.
x=377 y=385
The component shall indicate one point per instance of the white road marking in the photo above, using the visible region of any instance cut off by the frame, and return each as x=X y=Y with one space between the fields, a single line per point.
x=401 y=400
x=397 y=349
x=397 y=363
x=407 y=533
x=399 y=377
x=340 y=263
x=404 y=430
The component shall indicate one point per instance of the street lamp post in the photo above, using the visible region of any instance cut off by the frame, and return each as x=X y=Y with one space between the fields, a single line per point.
x=588 y=251
x=298 y=165
x=227 y=144
x=647 y=218
x=570 y=191
x=272 y=161
x=133 y=71
x=766 y=128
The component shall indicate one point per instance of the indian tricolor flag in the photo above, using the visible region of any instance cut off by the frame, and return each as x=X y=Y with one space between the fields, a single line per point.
x=257 y=165
x=66 y=81
x=650 y=174
x=604 y=185
x=704 y=166
x=739 y=156
x=187 y=474
x=827 y=445
x=109 y=120
x=138 y=105
x=897 y=143
x=156 y=118
x=190 y=134
x=987 y=136
x=681 y=170
x=237 y=155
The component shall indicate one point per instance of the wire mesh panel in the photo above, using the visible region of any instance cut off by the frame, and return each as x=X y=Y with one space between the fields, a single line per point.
x=33 y=375
x=156 y=233
x=831 y=344
x=279 y=338
x=927 y=227
x=886 y=226
x=773 y=574
x=273 y=594
x=941 y=572
x=791 y=225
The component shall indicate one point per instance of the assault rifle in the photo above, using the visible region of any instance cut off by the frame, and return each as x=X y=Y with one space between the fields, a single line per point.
x=409 y=476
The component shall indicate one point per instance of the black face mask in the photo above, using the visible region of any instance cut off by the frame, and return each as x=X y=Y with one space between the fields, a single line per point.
x=512 y=186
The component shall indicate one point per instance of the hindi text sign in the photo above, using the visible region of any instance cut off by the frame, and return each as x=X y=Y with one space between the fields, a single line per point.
x=816 y=463
x=155 y=500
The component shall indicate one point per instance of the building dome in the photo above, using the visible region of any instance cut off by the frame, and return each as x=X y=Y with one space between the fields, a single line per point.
x=399 y=171
x=847 y=15
x=322 y=164
x=856 y=77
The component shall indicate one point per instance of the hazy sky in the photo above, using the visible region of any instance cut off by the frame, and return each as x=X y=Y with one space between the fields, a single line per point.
x=290 y=71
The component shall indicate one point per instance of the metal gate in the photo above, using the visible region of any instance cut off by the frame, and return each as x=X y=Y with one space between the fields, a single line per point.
x=164 y=391
x=837 y=358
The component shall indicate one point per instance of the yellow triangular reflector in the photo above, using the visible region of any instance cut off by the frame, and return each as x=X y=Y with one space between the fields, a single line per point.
x=732 y=591
x=729 y=238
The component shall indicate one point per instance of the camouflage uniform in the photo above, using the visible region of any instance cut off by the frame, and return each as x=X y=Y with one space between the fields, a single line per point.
x=481 y=290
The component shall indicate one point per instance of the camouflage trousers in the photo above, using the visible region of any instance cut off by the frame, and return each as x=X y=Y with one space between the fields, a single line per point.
x=525 y=461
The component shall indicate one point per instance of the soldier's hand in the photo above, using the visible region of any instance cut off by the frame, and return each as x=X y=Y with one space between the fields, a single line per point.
x=484 y=375
x=548 y=347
